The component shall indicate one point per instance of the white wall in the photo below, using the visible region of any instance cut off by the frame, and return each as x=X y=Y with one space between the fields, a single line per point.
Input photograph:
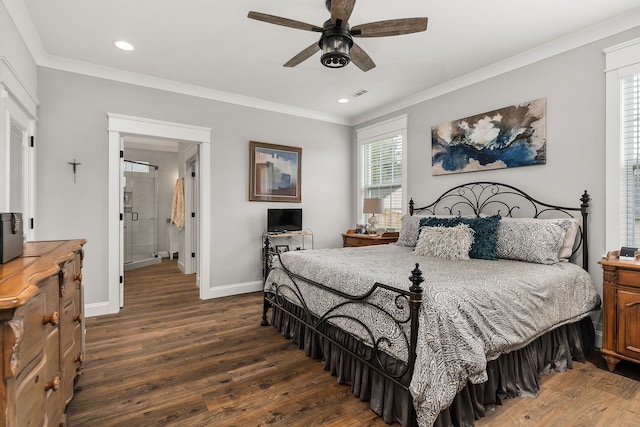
x=574 y=86
x=73 y=124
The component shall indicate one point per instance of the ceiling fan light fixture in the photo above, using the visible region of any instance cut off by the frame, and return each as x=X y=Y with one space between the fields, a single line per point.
x=335 y=44
x=335 y=51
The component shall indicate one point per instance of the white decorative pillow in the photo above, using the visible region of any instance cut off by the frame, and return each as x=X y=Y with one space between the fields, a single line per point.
x=531 y=240
x=410 y=230
x=445 y=242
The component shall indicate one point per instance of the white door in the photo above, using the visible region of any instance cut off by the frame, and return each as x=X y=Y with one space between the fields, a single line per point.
x=123 y=184
x=17 y=171
x=192 y=184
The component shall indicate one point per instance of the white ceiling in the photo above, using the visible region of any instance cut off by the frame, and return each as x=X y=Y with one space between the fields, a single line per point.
x=210 y=48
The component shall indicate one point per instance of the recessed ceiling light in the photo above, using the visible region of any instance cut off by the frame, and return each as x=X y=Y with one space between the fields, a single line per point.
x=124 y=45
x=343 y=100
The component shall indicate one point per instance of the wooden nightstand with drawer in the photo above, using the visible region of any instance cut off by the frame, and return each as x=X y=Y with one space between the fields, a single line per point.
x=351 y=239
x=620 y=311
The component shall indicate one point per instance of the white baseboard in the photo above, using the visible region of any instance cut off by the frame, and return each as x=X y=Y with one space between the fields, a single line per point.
x=235 y=289
x=163 y=254
x=96 y=309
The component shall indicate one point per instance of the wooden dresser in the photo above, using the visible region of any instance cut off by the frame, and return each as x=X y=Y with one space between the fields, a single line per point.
x=42 y=333
x=351 y=239
x=621 y=311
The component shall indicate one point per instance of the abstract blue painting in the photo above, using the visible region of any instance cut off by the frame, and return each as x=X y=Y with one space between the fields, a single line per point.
x=503 y=138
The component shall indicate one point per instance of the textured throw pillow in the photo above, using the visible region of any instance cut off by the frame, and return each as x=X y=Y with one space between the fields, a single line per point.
x=485 y=233
x=445 y=242
x=409 y=231
x=569 y=238
x=531 y=240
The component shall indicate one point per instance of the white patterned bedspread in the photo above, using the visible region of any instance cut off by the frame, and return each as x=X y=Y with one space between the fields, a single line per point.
x=472 y=310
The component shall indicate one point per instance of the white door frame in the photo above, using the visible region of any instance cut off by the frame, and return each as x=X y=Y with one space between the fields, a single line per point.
x=191 y=185
x=119 y=126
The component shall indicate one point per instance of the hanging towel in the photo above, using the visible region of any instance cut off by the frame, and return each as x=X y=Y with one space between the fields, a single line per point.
x=177 y=205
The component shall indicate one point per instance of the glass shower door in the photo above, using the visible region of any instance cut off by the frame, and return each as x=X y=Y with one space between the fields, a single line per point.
x=140 y=214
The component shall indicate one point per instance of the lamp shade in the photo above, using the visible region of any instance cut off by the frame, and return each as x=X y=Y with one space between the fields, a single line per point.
x=373 y=206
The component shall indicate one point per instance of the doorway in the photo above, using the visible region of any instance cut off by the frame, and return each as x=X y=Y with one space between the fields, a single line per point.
x=120 y=126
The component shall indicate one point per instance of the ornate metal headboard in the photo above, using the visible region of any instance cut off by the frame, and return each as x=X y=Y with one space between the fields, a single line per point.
x=493 y=198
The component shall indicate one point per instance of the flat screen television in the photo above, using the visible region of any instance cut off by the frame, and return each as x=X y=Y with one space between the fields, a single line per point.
x=284 y=220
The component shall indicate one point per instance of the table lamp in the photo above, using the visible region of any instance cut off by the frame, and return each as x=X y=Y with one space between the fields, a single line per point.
x=373 y=206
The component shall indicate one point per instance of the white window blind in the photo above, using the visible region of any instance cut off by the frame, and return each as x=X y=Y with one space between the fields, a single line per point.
x=622 y=159
x=382 y=171
x=630 y=111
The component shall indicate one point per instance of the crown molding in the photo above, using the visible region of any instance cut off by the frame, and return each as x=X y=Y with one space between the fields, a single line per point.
x=22 y=20
x=580 y=38
x=18 y=87
x=93 y=70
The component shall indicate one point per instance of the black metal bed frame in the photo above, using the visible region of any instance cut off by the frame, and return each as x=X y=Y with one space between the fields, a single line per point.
x=467 y=199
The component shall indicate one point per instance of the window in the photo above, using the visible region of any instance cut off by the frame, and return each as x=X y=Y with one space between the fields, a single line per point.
x=631 y=159
x=622 y=166
x=382 y=170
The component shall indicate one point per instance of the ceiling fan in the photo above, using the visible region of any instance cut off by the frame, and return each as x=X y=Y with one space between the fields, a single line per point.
x=336 y=40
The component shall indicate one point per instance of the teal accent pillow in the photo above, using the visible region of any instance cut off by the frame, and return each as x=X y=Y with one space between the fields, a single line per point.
x=485 y=233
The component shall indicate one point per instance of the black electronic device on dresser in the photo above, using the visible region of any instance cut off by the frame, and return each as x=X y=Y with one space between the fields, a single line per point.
x=284 y=220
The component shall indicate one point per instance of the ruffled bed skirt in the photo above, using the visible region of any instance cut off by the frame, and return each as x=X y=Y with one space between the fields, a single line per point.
x=512 y=375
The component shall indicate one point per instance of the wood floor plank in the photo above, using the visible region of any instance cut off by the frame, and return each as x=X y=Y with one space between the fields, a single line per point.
x=170 y=359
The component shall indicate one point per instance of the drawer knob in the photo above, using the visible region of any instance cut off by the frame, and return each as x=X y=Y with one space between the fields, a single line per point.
x=79 y=358
x=78 y=277
x=54 y=384
x=53 y=318
x=78 y=318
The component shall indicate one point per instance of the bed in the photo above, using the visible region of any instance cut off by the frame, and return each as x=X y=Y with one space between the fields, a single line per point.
x=485 y=290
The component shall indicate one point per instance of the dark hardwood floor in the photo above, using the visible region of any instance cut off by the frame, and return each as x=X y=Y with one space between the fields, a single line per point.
x=170 y=359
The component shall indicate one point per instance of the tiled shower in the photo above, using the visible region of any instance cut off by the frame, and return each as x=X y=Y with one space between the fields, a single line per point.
x=140 y=214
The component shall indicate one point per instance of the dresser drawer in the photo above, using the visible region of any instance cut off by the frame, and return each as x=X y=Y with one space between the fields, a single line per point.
x=629 y=278
x=71 y=274
x=30 y=332
x=37 y=399
x=31 y=398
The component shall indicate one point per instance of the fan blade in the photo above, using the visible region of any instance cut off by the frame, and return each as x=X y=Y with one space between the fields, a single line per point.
x=392 y=27
x=285 y=22
x=361 y=58
x=302 y=56
x=341 y=11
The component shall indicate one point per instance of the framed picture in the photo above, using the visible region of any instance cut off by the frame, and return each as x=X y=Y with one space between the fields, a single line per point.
x=504 y=138
x=282 y=248
x=275 y=173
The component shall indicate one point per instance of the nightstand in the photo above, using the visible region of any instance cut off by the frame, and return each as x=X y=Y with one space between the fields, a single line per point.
x=351 y=239
x=620 y=311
